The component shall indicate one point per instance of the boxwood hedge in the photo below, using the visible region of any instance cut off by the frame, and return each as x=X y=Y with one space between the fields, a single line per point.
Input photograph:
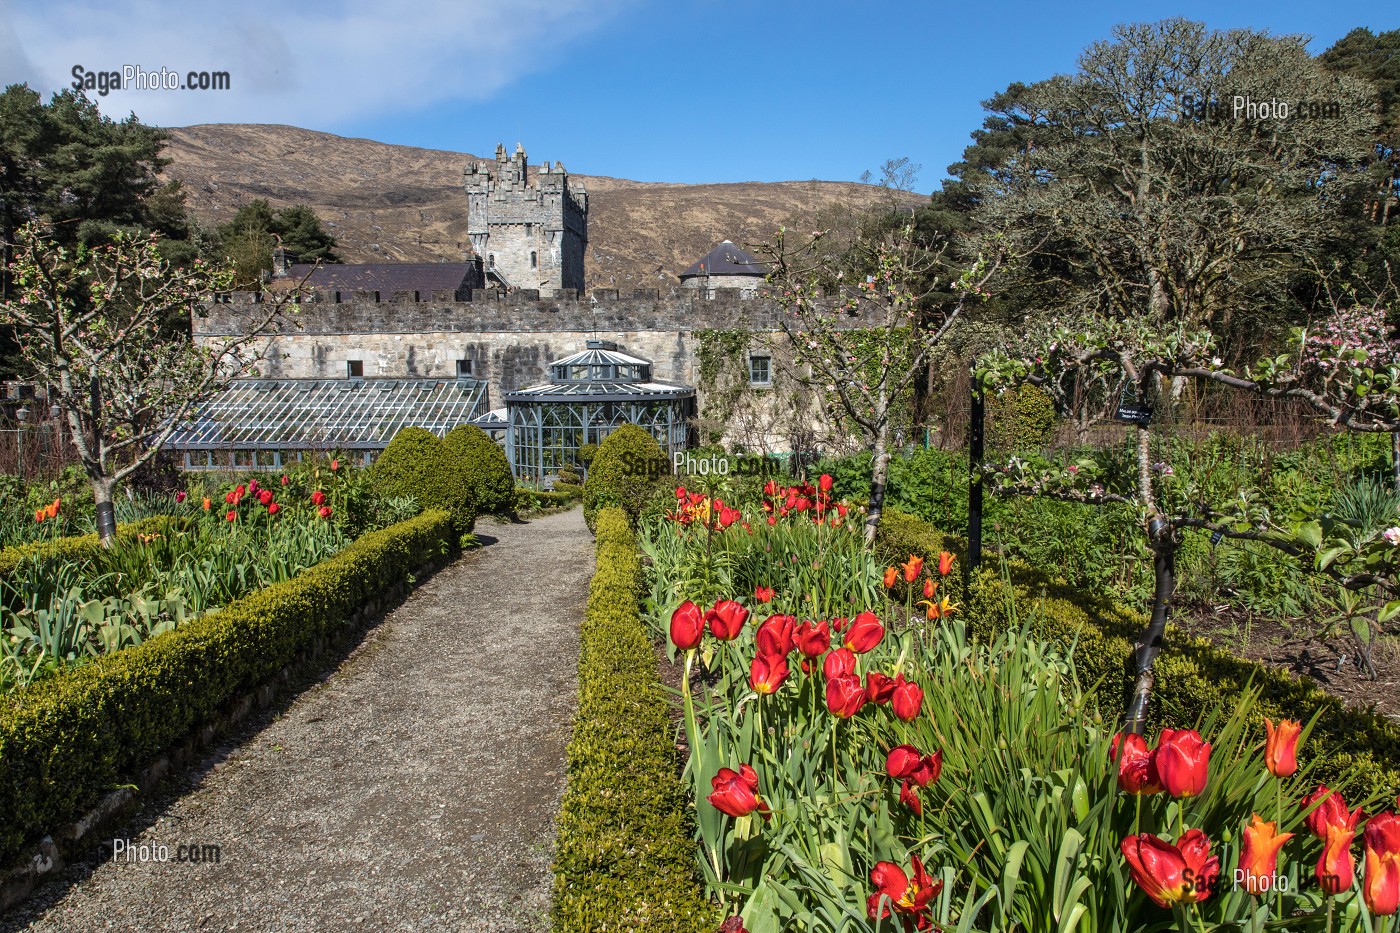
x=67 y=740
x=626 y=857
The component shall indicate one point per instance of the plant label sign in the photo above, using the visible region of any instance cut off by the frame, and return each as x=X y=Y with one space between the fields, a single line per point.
x=1130 y=411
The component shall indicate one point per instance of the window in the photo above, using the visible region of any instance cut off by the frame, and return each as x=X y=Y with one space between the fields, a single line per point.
x=355 y=369
x=464 y=367
x=760 y=372
x=491 y=260
x=534 y=259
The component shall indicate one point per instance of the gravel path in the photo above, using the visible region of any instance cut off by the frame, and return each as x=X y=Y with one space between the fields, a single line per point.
x=414 y=788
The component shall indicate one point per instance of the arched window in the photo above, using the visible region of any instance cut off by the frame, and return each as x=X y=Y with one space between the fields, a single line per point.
x=534 y=260
x=491 y=260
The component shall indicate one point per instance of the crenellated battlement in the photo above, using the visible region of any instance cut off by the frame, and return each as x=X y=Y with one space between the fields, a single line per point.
x=477 y=295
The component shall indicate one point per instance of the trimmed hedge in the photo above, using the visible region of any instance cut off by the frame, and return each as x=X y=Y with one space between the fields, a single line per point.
x=1192 y=674
x=629 y=469
x=626 y=856
x=67 y=740
x=418 y=463
x=487 y=469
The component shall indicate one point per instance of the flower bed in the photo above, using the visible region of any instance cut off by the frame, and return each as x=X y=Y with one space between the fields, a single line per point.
x=66 y=740
x=867 y=753
x=624 y=859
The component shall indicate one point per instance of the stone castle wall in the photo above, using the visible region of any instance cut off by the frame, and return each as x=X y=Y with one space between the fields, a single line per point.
x=510 y=338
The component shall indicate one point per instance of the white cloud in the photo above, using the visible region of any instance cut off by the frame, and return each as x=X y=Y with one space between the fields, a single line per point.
x=308 y=64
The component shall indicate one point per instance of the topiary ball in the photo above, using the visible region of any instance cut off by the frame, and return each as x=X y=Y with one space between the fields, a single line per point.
x=627 y=471
x=488 y=470
x=417 y=463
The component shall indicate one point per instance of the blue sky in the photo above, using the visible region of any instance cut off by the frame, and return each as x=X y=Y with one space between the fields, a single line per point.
x=656 y=90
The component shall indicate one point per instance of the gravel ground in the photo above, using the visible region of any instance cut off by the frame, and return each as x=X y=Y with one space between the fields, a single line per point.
x=414 y=788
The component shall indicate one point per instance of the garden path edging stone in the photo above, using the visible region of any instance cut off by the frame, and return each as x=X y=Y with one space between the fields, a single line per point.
x=415 y=787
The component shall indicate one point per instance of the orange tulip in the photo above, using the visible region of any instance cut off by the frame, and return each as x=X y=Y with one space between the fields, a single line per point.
x=945 y=563
x=1259 y=856
x=890 y=576
x=1281 y=748
x=912 y=568
x=1336 y=869
x=38 y=515
x=1172 y=874
x=207 y=503
x=1381 y=889
x=930 y=588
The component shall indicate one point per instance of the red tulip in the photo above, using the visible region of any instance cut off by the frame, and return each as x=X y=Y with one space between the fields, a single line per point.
x=865 y=633
x=813 y=638
x=1172 y=874
x=231 y=515
x=910 y=798
x=240 y=490
x=907 y=894
x=232 y=497
x=1381 y=889
x=841 y=509
x=181 y=496
x=733 y=924
x=1336 y=869
x=945 y=563
x=907 y=699
x=735 y=793
x=273 y=508
x=726 y=619
x=680 y=492
x=324 y=511
x=252 y=487
x=1281 y=748
x=878 y=688
x=929 y=769
x=1182 y=760
x=1137 y=768
x=1331 y=812
x=844 y=695
x=286 y=479
x=901 y=761
x=687 y=626
x=840 y=663
x=772 y=520
x=767 y=672
x=825 y=483
x=1259 y=856
x=770 y=488
x=776 y=635
x=763 y=594
x=264 y=496
x=335 y=465
x=912 y=568
x=318 y=498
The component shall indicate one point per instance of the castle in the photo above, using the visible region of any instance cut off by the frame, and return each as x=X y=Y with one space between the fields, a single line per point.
x=499 y=319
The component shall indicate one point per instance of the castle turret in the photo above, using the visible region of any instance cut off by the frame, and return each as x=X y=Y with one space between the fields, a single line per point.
x=530 y=232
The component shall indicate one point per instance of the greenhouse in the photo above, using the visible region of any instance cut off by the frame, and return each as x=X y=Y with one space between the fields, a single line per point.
x=270 y=423
x=589 y=395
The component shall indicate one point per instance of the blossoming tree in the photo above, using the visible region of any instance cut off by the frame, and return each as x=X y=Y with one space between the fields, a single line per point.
x=89 y=324
x=864 y=349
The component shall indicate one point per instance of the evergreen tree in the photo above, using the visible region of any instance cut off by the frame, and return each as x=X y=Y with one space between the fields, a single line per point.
x=248 y=239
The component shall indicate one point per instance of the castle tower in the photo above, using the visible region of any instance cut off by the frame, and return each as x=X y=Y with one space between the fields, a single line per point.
x=529 y=231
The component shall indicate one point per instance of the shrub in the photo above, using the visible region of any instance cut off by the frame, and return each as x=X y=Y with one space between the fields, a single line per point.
x=488 y=470
x=1022 y=418
x=69 y=739
x=625 y=858
x=626 y=473
x=417 y=463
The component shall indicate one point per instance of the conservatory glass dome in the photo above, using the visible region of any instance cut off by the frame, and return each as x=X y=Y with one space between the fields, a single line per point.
x=588 y=396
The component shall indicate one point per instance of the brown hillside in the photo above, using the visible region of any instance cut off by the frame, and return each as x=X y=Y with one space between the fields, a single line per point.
x=398 y=203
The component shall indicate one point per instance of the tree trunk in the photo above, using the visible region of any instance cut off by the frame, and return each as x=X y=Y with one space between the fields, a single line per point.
x=1149 y=642
x=879 y=475
x=106 y=513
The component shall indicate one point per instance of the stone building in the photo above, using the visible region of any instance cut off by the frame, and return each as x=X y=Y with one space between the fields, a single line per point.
x=725 y=266
x=530 y=229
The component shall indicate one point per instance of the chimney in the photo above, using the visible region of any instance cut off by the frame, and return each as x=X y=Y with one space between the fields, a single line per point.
x=279 y=262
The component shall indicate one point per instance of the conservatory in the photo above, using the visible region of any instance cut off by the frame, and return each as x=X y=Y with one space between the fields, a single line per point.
x=271 y=423
x=588 y=396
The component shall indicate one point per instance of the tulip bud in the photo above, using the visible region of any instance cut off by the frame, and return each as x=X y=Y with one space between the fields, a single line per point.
x=907 y=699
x=231 y=515
x=273 y=508
x=324 y=511
x=1281 y=747
x=687 y=626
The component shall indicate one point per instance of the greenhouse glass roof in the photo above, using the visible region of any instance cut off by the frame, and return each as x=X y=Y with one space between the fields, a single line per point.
x=349 y=414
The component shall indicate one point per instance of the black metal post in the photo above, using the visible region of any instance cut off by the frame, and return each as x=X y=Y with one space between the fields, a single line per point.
x=975 y=454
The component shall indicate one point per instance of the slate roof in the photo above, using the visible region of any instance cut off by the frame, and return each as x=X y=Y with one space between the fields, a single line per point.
x=383 y=277
x=726 y=259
